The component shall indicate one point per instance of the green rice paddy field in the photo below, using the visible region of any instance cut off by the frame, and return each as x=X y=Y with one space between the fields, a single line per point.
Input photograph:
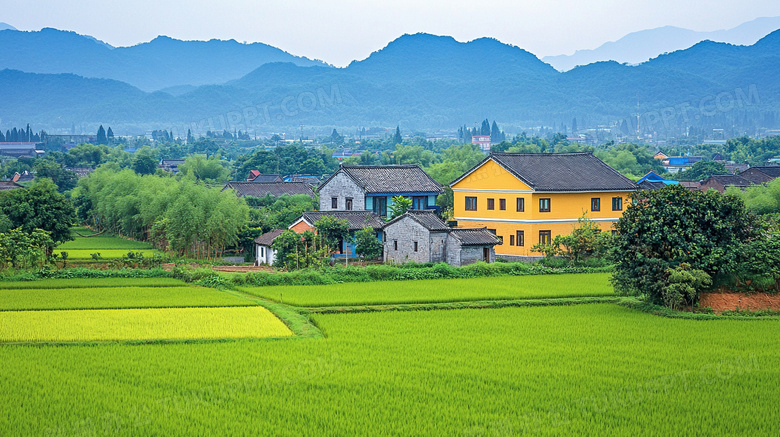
x=440 y=290
x=590 y=369
x=109 y=246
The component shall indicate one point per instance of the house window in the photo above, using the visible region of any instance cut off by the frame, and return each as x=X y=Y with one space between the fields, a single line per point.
x=420 y=202
x=511 y=240
x=545 y=237
x=348 y=204
x=380 y=206
x=520 y=238
x=471 y=203
x=617 y=204
x=520 y=204
x=262 y=251
x=491 y=204
x=492 y=231
x=595 y=204
x=415 y=246
x=544 y=204
x=395 y=244
x=334 y=202
x=502 y=204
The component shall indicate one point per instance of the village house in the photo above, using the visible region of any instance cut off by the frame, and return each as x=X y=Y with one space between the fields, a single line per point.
x=9 y=185
x=356 y=221
x=422 y=237
x=372 y=187
x=761 y=174
x=527 y=199
x=721 y=181
x=256 y=176
x=264 y=253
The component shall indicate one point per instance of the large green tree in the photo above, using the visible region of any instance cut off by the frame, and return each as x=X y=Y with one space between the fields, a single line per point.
x=662 y=230
x=702 y=170
x=40 y=206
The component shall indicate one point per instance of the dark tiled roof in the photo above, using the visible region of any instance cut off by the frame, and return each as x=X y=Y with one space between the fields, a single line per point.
x=729 y=180
x=691 y=185
x=561 y=172
x=428 y=219
x=651 y=185
x=761 y=174
x=475 y=237
x=262 y=178
x=357 y=220
x=9 y=185
x=262 y=189
x=391 y=178
x=268 y=238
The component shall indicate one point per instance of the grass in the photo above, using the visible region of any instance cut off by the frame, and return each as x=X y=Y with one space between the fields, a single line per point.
x=140 y=324
x=116 y=297
x=598 y=369
x=93 y=282
x=104 y=253
x=109 y=246
x=440 y=290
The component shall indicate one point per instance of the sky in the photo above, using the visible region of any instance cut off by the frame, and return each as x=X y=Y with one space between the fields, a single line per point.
x=339 y=32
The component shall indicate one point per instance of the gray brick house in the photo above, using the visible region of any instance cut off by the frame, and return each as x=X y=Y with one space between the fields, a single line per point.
x=421 y=236
x=372 y=187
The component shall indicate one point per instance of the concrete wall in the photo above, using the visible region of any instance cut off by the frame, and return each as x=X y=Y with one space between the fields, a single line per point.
x=341 y=187
x=264 y=255
x=406 y=231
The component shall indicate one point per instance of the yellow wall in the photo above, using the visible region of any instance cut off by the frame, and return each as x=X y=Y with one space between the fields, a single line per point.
x=493 y=182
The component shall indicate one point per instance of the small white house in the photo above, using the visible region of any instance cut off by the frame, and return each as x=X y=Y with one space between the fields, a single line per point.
x=264 y=254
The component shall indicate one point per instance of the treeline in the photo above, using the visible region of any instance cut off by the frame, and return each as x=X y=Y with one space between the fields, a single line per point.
x=21 y=135
x=743 y=150
x=183 y=216
x=465 y=135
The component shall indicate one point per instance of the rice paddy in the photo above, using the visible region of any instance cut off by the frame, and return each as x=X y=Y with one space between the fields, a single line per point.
x=595 y=369
x=116 y=297
x=140 y=324
x=440 y=290
x=108 y=246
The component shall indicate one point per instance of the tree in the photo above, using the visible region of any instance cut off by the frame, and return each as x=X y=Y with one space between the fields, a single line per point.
x=702 y=170
x=399 y=206
x=585 y=241
x=332 y=231
x=367 y=244
x=110 y=134
x=101 y=136
x=665 y=228
x=64 y=179
x=397 y=139
x=211 y=169
x=40 y=206
x=22 y=249
x=144 y=161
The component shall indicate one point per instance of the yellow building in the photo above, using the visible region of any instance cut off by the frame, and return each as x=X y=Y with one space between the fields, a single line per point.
x=528 y=198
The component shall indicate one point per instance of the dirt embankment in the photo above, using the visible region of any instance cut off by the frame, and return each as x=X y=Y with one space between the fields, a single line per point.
x=720 y=302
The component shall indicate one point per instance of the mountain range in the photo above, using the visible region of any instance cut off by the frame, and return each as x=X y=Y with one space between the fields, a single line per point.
x=637 y=47
x=161 y=63
x=423 y=82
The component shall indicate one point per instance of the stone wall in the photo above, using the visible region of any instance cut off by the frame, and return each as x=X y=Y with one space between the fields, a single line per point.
x=407 y=231
x=438 y=242
x=472 y=254
x=342 y=186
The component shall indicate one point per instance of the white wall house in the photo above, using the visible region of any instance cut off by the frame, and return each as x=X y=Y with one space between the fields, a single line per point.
x=264 y=254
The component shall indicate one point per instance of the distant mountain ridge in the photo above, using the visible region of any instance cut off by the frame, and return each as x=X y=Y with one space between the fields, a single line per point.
x=426 y=82
x=637 y=47
x=6 y=26
x=161 y=63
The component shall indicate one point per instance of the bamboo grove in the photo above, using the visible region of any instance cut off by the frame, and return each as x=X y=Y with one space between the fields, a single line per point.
x=179 y=215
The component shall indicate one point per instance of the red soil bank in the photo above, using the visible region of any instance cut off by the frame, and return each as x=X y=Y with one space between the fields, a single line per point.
x=731 y=301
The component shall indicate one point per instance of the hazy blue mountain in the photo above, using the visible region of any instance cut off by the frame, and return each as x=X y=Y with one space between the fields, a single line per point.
x=641 y=46
x=161 y=63
x=6 y=26
x=421 y=82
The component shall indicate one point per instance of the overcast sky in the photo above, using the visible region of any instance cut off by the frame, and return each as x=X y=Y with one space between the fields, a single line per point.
x=341 y=31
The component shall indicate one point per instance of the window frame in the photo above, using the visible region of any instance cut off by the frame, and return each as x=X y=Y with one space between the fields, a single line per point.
x=334 y=203
x=542 y=201
x=545 y=237
x=491 y=204
x=502 y=204
x=595 y=204
x=471 y=201
x=520 y=204
x=617 y=203
x=415 y=246
x=348 y=204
